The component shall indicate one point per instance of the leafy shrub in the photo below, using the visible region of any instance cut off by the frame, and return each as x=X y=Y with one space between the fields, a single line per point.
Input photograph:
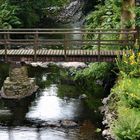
x=8 y=18
x=129 y=64
x=127 y=126
x=105 y=16
x=93 y=78
x=95 y=70
x=128 y=92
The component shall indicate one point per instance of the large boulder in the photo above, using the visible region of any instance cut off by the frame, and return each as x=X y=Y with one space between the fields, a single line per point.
x=18 y=85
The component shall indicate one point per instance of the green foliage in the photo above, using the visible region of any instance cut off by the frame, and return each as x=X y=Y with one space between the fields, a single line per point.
x=69 y=91
x=57 y=3
x=129 y=64
x=137 y=11
x=128 y=92
x=8 y=18
x=93 y=77
x=105 y=16
x=95 y=70
x=33 y=11
x=127 y=126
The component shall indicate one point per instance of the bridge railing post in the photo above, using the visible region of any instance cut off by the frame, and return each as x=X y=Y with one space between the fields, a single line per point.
x=35 y=45
x=65 y=45
x=99 y=45
x=6 y=38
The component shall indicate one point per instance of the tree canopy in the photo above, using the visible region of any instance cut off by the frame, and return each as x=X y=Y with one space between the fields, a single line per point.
x=8 y=18
x=29 y=12
x=106 y=14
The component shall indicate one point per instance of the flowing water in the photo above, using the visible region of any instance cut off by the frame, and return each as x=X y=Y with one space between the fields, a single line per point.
x=38 y=117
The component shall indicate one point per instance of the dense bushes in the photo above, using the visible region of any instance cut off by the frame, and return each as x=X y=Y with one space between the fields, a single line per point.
x=8 y=18
x=105 y=16
x=94 y=78
x=130 y=64
x=27 y=14
x=126 y=93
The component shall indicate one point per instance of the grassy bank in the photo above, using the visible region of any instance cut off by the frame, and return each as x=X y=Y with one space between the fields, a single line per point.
x=125 y=99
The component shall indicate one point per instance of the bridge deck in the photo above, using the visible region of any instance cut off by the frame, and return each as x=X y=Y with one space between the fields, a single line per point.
x=59 y=55
x=38 y=41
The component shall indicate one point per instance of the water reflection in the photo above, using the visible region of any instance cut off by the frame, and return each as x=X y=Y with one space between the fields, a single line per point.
x=22 y=119
x=50 y=107
x=13 y=112
x=26 y=133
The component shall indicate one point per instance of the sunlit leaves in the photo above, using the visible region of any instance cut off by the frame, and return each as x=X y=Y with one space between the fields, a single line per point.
x=8 y=18
x=105 y=16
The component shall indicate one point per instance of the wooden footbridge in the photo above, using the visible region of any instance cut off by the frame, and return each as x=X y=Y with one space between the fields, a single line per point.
x=60 y=45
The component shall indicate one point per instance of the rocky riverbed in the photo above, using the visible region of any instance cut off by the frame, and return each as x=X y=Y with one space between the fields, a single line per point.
x=108 y=116
x=59 y=64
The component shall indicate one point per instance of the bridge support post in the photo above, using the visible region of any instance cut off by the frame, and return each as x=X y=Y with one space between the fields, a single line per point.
x=6 y=38
x=65 y=46
x=35 y=45
x=99 y=45
x=18 y=85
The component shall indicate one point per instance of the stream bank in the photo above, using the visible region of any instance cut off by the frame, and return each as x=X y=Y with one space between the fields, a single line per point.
x=122 y=107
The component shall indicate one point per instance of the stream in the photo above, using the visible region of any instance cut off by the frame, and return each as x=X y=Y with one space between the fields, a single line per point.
x=38 y=117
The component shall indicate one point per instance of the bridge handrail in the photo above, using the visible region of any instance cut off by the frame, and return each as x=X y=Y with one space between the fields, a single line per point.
x=36 y=41
x=63 y=29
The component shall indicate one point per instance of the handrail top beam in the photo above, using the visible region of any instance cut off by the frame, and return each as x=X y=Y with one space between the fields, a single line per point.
x=63 y=29
x=124 y=32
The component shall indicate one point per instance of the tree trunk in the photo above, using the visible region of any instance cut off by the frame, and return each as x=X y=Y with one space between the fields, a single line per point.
x=127 y=18
x=128 y=14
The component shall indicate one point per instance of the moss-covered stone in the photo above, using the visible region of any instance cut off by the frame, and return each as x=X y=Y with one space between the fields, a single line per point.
x=18 y=85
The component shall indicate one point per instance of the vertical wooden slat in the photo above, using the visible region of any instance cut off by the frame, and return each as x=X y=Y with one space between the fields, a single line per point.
x=99 y=45
x=6 y=45
x=35 y=45
x=65 y=45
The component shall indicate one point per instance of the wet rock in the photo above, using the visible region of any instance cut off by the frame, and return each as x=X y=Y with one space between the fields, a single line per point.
x=18 y=85
x=105 y=100
x=72 y=64
x=83 y=96
x=70 y=11
x=68 y=124
x=53 y=124
x=106 y=132
x=104 y=122
x=109 y=115
x=60 y=64
x=57 y=124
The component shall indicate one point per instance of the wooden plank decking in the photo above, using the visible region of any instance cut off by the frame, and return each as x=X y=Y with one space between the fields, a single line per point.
x=52 y=52
x=44 y=55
